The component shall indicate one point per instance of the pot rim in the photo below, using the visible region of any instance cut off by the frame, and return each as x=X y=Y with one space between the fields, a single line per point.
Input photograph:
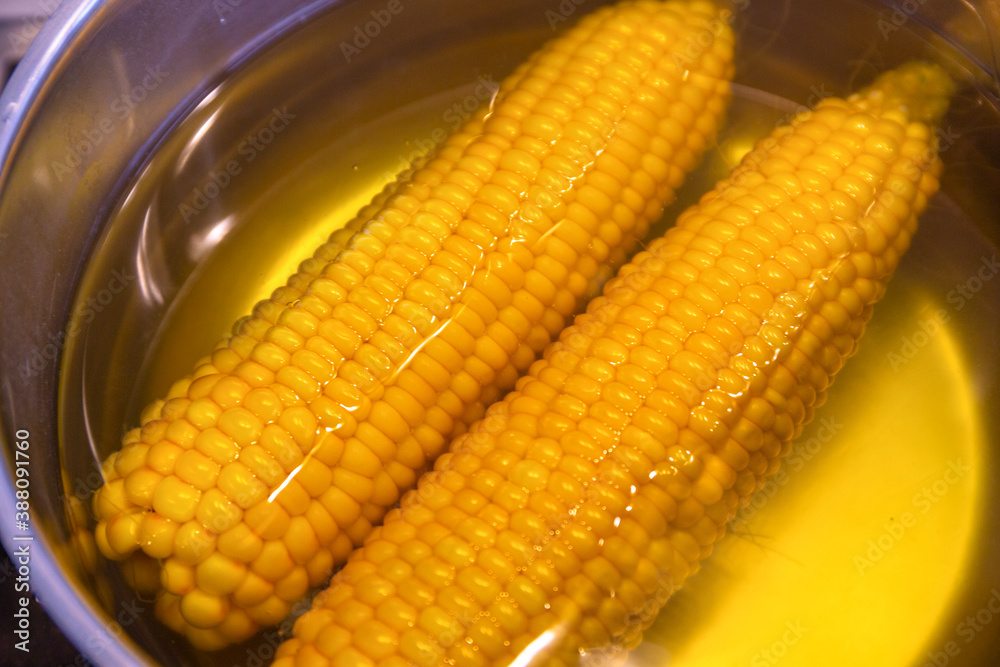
x=76 y=614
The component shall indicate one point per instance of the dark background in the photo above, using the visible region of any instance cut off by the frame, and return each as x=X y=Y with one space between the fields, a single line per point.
x=20 y=21
x=48 y=646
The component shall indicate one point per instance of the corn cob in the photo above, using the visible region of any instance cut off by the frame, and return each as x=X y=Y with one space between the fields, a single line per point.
x=260 y=472
x=562 y=521
x=112 y=503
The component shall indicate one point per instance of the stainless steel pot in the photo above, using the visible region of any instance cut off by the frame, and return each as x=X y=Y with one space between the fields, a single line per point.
x=121 y=105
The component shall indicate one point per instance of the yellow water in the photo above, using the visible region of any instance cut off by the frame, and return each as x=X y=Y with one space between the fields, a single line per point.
x=799 y=579
x=862 y=544
x=857 y=553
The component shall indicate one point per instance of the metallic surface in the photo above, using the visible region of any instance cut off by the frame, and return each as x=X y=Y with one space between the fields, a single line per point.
x=88 y=55
x=71 y=141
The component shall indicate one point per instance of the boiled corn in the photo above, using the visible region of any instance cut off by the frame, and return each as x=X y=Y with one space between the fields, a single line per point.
x=563 y=520
x=260 y=473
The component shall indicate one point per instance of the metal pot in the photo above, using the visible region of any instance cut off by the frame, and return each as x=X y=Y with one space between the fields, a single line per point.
x=121 y=214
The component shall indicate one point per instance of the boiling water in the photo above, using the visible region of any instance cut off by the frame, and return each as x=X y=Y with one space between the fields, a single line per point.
x=873 y=545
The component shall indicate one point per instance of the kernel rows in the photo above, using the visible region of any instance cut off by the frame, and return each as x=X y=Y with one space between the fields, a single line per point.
x=260 y=474
x=602 y=481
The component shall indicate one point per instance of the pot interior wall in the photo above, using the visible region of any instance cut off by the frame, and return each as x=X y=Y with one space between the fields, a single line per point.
x=216 y=194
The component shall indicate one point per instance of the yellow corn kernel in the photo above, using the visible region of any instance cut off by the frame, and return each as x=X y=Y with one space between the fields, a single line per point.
x=594 y=510
x=219 y=575
x=175 y=500
x=157 y=535
x=203 y=610
x=351 y=379
x=177 y=579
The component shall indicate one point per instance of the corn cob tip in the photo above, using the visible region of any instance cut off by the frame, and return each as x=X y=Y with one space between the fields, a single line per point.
x=922 y=89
